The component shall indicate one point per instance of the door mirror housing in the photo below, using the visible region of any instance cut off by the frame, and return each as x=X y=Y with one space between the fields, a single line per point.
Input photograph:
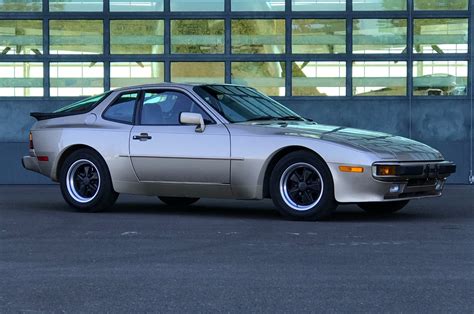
x=190 y=118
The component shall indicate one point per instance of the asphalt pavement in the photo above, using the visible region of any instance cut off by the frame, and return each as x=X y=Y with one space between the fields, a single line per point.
x=233 y=256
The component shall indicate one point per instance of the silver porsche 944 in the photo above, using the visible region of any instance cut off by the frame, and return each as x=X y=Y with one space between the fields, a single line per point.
x=182 y=142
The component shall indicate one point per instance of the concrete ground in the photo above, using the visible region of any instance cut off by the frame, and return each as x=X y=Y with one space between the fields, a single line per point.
x=233 y=256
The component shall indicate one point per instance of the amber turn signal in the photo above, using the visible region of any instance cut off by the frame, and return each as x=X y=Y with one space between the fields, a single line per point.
x=386 y=170
x=31 y=141
x=351 y=169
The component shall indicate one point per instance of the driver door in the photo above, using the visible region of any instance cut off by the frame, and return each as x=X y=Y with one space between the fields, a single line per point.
x=165 y=152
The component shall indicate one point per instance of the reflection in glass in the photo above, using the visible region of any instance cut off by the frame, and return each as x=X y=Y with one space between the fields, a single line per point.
x=319 y=5
x=136 y=36
x=440 y=78
x=136 y=5
x=197 y=72
x=322 y=78
x=258 y=36
x=76 y=78
x=379 y=78
x=135 y=73
x=379 y=36
x=193 y=5
x=21 y=37
x=319 y=36
x=441 y=4
x=258 y=5
x=197 y=36
x=21 y=79
x=267 y=77
x=440 y=35
x=21 y=5
x=379 y=5
x=76 y=5
x=75 y=37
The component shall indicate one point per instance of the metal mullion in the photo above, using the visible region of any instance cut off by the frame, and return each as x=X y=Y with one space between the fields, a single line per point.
x=379 y=14
x=440 y=57
x=288 y=50
x=379 y=57
x=167 y=41
x=410 y=36
x=441 y=14
x=46 y=63
x=227 y=42
x=349 y=55
x=106 y=44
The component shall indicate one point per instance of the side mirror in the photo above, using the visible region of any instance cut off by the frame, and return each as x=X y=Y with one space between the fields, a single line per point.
x=190 y=118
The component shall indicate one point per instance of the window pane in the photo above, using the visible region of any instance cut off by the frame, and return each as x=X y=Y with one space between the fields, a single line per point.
x=21 y=5
x=21 y=79
x=197 y=72
x=379 y=5
x=124 y=74
x=258 y=36
x=267 y=77
x=136 y=5
x=21 y=37
x=318 y=5
x=258 y=5
x=319 y=36
x=136 y=36
x=165 y=107
x=440 y=78
x=197 y=36
x=379 y=78
x=75 y=37
x=193 y=5
x=379 y=36
x=76 y=78
x=312 y=78
x=440 y=35
x=441 y=4
x=75 y=5
x=123 y=108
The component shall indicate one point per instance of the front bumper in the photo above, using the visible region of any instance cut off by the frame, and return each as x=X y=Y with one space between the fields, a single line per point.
x=415 y=179
x=406 y=184
x=30 y=163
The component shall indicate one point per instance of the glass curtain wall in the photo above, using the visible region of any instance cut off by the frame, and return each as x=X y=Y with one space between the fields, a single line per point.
x=292 y=48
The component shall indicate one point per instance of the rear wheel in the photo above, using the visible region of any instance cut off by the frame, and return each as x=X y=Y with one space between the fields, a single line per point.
x=301 y=187
x=383 y=208
x=178 y=201
x=85 y=182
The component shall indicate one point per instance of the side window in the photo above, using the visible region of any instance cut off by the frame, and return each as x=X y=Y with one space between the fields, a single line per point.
x=165 y=107
x=123 y=108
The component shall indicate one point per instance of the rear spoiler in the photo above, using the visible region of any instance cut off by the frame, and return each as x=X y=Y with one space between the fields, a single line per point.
x=51 y=115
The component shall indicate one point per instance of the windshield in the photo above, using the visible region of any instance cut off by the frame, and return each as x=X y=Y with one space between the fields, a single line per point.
x=83 y=105
x=243 y=104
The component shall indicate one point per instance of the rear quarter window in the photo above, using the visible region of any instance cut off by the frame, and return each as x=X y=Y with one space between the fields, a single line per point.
x=123 y=109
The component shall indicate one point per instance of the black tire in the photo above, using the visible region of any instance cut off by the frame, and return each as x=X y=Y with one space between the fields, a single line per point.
x=383 y=208
x=178 y=201
x=95 y=196
x=306 y=203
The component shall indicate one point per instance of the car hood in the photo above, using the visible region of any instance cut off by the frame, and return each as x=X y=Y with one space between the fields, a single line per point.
x=385 y=146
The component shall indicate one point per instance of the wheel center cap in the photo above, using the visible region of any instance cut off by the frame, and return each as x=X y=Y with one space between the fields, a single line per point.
x=86 y=181
x=302 y=186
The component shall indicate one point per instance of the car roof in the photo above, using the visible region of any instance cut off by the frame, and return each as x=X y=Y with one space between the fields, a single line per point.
x=171 y=84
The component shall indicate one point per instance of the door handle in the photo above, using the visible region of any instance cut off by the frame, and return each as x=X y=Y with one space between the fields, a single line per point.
x=142 y=137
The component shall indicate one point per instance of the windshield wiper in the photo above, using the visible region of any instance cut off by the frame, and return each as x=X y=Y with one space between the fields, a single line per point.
x=284 y=118
x=294 y=118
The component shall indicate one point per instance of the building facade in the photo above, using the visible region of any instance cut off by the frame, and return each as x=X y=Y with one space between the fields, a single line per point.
x=398 y=66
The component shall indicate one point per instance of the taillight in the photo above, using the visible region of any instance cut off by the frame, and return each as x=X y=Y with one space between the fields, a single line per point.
x=31 y=141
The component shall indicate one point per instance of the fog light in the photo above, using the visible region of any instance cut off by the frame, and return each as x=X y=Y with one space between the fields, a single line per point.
x=439 y=185
x=394 y=188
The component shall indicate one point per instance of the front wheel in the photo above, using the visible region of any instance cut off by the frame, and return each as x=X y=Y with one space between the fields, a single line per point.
x=383 y=208
x=178 y=201
x=85 y=182
x=301 y=187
